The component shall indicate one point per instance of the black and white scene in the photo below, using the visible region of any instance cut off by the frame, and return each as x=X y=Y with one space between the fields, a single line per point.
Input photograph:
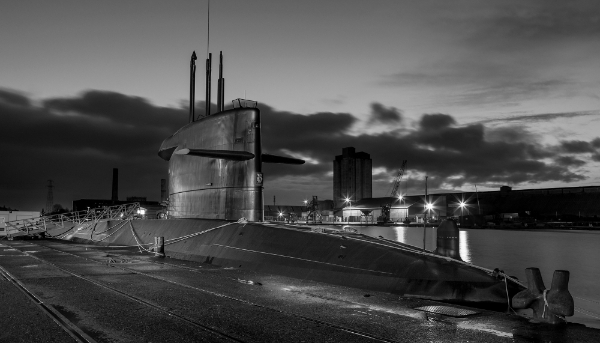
x=300 y=171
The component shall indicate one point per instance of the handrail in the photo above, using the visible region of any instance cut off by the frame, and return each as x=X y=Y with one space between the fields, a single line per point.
x=36 y=225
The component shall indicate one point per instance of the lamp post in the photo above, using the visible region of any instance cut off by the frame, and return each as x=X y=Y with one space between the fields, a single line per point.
x=350 y=205
x=306 y=208
x=429 y=207
x=401 y=200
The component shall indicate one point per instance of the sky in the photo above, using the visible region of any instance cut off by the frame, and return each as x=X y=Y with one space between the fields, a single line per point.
x=485 y=93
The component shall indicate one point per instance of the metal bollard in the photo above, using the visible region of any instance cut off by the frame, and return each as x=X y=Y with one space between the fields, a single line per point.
x=159 y=246
x=549 y=306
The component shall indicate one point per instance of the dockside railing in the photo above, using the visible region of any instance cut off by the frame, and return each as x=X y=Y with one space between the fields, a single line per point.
x=41 y=225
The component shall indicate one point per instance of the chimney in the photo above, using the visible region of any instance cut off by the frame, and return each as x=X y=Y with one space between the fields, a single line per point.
x=115 y=185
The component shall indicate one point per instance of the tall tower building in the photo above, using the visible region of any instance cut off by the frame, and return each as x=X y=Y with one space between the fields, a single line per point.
x=352 y=176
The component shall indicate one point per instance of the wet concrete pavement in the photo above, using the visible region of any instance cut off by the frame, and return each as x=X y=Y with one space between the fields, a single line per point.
x=91 y=293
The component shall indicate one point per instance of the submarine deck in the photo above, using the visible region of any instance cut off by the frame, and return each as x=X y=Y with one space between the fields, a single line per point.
x=57 y=291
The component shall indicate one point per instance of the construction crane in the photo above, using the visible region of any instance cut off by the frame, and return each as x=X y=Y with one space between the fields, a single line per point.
x=386 y=208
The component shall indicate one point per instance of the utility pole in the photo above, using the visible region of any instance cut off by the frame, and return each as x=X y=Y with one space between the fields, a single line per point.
x=425 y=216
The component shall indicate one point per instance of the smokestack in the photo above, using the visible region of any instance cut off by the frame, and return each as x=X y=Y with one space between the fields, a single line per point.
x=163 y=190
x=115 y=185
x=208 y=82
x=192 y=86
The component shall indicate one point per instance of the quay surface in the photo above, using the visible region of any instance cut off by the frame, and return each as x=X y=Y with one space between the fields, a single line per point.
x=57 y=291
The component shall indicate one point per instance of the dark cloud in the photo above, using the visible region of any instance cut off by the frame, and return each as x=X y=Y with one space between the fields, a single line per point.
x=451 y=155
x=436 y=121
x=76 y=141
x=381 y=114
x=13 y=98
x=577 y=147
x=114 y=107
x=569 y=161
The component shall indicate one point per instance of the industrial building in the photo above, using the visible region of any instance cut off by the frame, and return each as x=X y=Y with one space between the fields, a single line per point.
x=352 y=176
x=548 y=204
x=152 y=208
x=325 y=211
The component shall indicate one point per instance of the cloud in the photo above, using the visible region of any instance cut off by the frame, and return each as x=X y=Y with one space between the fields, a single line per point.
x=383 y=115
x=507 y=52
x=538 y=23
x=451 y=155
x=540 y=117
x=481 y=81
x=577 y=147
x=13 y=98
x=569 y=161
x=76 y=141
x=436 y=121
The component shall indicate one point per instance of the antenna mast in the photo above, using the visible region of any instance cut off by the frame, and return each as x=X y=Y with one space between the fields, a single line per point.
x=193 y=86
x=221 y=86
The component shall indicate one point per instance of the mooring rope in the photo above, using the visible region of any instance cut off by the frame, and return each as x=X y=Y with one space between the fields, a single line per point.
x=139 y=245
x=179 y=239
x=112 y=233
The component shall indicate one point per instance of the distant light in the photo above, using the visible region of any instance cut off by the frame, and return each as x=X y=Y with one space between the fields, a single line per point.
x=280 y=214
x=347 y=200
x=462 y=204
x=305 y=202
x=429 y=206
x=400 y=197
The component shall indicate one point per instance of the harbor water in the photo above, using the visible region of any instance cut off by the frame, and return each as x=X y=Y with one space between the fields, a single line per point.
x=514 y=250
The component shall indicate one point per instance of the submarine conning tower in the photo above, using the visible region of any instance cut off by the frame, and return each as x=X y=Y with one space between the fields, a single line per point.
x=215 y=162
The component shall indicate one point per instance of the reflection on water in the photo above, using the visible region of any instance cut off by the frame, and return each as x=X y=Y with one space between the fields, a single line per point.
x=513 y=251
x=463 y=247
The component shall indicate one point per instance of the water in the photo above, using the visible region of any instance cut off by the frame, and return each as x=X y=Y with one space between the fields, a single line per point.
x=513 y=251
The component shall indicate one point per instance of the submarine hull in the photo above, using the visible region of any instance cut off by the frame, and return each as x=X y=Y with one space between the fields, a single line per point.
x=342 y=258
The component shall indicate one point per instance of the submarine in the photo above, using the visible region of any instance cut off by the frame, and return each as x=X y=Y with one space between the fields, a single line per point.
x=215 y=215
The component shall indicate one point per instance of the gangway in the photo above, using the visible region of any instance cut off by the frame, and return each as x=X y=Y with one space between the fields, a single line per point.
x=39 y=226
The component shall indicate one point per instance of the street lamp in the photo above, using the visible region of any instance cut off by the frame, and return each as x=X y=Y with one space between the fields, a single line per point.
x=429 y=207
x=462 y=207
